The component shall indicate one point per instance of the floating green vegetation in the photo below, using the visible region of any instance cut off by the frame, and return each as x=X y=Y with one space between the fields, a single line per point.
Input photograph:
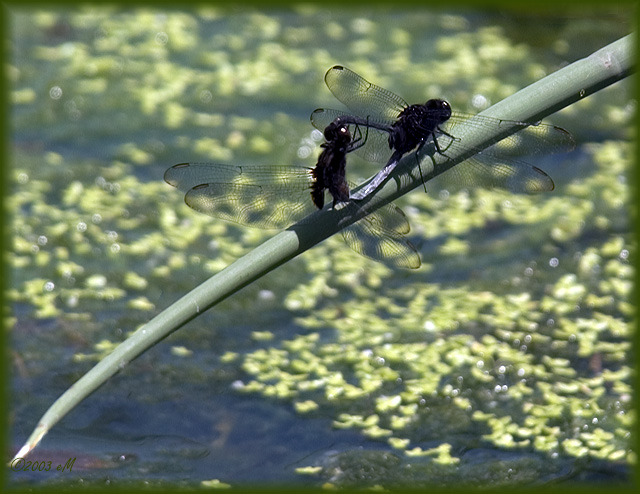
x=514 y=337
x=539 y=364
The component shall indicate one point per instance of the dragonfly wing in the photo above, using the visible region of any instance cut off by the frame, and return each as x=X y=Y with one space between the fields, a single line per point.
x=369 y=143
x=276 y=197
x=322 y=117
x=362 y=97
x=496 y=166
x=263 y=197
x=380 y=236
x=185 y=176
x=536 y=140
x=532 y=139
x=485 y=171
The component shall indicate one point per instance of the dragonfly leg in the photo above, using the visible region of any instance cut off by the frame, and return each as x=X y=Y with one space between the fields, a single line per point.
x=433 y=161
x=437 y=144
x=359 y=139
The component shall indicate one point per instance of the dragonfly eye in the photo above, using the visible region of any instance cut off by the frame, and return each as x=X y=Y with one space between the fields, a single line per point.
x=439 y=107
x=335 y=131
x=331 y=132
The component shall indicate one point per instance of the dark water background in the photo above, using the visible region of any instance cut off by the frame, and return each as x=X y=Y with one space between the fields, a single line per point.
x=504 y=361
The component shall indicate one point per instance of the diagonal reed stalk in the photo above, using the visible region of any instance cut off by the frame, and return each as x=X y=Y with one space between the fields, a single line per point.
x=542 y=98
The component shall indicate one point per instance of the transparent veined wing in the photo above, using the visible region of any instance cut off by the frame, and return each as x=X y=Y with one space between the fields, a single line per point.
x=497 y=166
x=258 y=196
x=372 y=237
x=278 y=197
x=362 y=97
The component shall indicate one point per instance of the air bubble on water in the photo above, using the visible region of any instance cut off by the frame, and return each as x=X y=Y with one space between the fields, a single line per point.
x=316 y=135
x=162 y=38
x=304 y=152
x=266 y=295
x=479 y=101
x=55 y=92
x=429 y=326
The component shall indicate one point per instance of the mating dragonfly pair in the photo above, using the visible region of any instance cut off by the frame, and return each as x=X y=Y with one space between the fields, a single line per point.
x=380 y=127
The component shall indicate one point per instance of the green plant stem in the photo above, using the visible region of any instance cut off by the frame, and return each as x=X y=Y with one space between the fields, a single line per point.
x=531 y=104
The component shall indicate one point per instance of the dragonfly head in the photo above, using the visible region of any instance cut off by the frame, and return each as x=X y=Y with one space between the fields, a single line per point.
x=337 y=132
x=438 y=110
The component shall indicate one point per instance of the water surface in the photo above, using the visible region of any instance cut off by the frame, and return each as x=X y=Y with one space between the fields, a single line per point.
x=504 y=361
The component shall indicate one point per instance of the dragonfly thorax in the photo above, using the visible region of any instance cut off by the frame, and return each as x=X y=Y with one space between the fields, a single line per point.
x=416 y=123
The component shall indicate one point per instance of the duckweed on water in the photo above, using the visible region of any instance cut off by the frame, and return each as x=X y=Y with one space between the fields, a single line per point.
x=522 y=371
x=505 y=358
x=527 y=364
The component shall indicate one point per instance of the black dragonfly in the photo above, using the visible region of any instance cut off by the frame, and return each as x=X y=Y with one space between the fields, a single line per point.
x=396 y=126
x=278 y=197
x=330 y=170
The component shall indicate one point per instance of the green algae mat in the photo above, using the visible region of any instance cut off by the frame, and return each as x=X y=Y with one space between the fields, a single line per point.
x=506 y=360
